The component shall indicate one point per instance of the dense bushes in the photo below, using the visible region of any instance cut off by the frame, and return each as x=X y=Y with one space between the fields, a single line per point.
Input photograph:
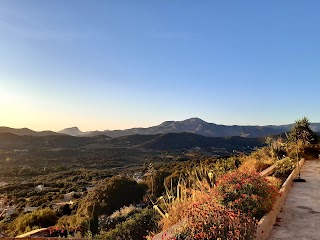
x=37 y=219
x=247 y=192
x=108 y=196
x=285 y=166
x=63 y=232
x=135 y=227
x=228 y=210
x=206 y=220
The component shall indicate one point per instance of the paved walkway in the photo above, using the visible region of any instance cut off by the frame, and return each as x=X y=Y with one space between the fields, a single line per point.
x=300 y=216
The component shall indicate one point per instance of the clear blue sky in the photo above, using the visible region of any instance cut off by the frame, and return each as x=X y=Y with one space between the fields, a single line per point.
x=121 y=64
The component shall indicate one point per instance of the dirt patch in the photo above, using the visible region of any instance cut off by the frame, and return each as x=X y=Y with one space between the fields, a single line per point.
x=282 y=177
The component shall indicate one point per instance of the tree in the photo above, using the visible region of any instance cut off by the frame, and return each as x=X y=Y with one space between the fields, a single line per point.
x=301 y=132
x=300 y=136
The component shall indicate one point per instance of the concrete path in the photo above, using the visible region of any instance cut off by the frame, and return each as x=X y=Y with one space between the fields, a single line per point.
x=300 y=215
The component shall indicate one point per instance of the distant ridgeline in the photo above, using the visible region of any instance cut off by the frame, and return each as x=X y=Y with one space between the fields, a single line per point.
x=192 y=125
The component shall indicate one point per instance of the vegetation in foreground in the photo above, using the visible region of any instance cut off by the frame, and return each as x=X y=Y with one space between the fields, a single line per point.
x=229 y=206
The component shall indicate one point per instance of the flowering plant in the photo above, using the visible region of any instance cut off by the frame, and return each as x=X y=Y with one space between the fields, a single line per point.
x=246 y=191
x=207 y=220
x=285 y=166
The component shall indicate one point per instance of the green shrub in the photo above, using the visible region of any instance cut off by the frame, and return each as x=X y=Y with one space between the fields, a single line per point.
x=108 y=196
x=37 y=219
x=224 y=165
x=247 y=192
x=135 y=227
x=118 y=216
x=285 y=166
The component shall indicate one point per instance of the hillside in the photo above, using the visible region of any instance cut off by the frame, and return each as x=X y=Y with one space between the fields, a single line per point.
x=26 y=132
x=171 y=141
x=9 y=140
x=166 y=141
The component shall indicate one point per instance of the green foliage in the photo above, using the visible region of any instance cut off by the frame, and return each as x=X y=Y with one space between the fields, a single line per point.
x=63 y=232
x=39 y=219
x=155 y=182
x=276 y=147
x=135 y=227
x=118 y=216
x=224 y=165
x=285 y=166
x=124 y=212
x=301 y=132
x=108 y=196
x=172 y=181
x=247 y=192
x=203 y=174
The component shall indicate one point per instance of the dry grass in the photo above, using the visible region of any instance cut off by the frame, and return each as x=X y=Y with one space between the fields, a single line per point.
x=123 y=212
x=258 y=160
x=276 y=182
x=253 y=164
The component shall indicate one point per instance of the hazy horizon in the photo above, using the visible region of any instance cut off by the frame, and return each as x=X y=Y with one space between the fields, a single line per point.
x=117 y=65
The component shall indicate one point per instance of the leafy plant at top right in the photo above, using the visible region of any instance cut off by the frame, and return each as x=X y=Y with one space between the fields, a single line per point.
x=301 y=132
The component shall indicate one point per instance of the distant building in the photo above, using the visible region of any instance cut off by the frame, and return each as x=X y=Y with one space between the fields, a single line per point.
x=40 y=187
x=89 y=188
x=71 y=195
x=30 y=209
x=138 y=176
x=197 y=149
x=21 y=150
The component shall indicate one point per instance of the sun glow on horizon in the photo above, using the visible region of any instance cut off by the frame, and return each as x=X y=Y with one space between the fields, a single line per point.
x=19 y=111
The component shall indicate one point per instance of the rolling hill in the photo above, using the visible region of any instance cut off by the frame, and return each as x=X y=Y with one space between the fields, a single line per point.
x=26 y=132
x=167 y=141
x=172 y=141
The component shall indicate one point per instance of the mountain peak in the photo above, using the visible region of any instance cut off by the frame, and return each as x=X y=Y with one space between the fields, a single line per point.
x=73 y=128
x=194 y=120
x=73 y=131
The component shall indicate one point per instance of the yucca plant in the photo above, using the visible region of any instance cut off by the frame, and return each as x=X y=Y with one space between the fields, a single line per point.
x=196 y=181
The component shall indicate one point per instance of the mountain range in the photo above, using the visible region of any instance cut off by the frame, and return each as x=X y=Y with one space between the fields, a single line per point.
x=192 y=125
x=196 y=126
